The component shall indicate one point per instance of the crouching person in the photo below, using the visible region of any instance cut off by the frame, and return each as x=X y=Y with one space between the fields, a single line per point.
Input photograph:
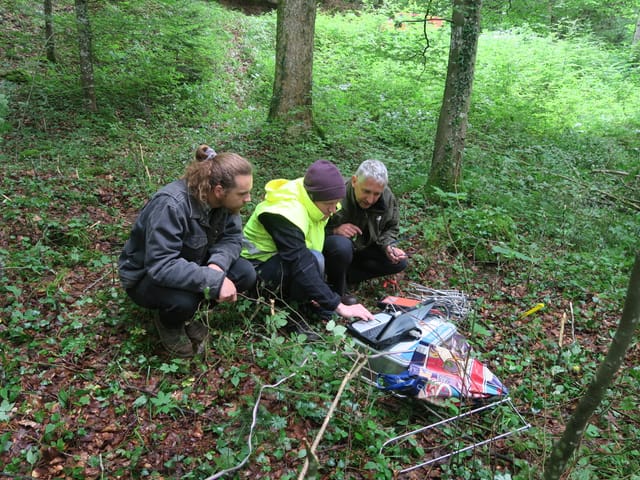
x=284 y=238
x=185 y=246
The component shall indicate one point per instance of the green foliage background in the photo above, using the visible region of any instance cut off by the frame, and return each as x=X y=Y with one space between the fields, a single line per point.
x=548 y=212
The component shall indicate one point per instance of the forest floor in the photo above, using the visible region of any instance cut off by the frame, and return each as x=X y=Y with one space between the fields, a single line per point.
x=79 y=408
x=111 y=427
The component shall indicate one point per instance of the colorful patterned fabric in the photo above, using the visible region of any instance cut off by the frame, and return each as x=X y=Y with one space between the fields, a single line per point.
x=448 y=375
x=442 y=369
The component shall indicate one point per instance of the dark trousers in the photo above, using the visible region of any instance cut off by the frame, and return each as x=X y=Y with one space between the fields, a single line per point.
x=178 y=306
x=275 y=277
x=346 y=266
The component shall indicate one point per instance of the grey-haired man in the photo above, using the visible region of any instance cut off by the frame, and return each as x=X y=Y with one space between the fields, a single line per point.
x=361 y=237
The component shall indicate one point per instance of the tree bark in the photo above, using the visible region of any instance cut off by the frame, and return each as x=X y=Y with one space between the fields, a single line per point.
x=49 y=41
x=574 y=430
x=636 y=36
x=86 y=55
x=291 y=102
x=446 y=164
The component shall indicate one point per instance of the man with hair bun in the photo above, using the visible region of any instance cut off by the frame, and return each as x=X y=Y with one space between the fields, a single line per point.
x=362 y=236
x=285 y=235
x=184 y=247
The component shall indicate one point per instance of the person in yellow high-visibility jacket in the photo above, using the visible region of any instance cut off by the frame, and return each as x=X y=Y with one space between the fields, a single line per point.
x=284 y=238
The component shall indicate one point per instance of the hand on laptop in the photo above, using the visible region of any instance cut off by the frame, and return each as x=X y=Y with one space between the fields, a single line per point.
x=354 y=311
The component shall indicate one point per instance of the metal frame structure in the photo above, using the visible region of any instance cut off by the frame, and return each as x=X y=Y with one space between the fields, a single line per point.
x=456 y=305
x=369 y=375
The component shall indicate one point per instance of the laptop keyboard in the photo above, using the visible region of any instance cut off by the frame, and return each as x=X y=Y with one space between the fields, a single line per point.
x=372 y=333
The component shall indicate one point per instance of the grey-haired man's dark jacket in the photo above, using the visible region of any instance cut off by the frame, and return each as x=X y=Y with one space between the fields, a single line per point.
x=174 y=239
x=379 y=223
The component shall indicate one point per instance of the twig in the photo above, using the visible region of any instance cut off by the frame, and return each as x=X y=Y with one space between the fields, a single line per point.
x=146 y=169
x=357 y=366
x=621 y=200
x=573 y=330
x=253 y=425
x=562 y=322
x=612 y=172
x=95 y=282
x=624 y=201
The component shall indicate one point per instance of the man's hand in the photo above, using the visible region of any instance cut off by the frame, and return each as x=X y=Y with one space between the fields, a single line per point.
x=395 y=254
x=228 y=292
x=350 y=311
x=348 y=230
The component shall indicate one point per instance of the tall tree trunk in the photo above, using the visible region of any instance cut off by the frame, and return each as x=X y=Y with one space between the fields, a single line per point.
x=446 y=165
x=49 y=41
x=551 y=4
x=291 y=103
x=636 y=36
x=574 y=430
x=86 y=55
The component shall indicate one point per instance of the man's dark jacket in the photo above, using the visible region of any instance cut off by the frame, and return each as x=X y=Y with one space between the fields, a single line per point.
x=379 y=223
x=175 y=237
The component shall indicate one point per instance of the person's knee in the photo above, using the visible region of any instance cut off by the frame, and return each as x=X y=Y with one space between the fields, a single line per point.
x=338 y=249
x=243 y=275
x=318 y=257
x=247 y=281
x=272 y=276
x=179 y=308
x=400 y=266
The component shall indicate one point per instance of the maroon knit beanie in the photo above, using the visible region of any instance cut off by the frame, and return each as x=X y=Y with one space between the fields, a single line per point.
x=323 y=181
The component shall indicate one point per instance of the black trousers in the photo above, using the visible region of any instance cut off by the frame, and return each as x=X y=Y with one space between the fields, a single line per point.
x=178 y=306
x=343 y=265
x=275 y=276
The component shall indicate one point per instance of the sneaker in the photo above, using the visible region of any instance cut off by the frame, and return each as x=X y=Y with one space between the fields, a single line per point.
x=175 y=340
x=198 y=333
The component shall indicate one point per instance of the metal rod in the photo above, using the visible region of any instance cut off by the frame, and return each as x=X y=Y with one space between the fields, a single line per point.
x=443 y=422
x=507 y=400
x=469 y=447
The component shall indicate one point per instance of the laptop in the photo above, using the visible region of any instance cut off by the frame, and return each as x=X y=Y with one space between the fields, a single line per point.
x=389 y=328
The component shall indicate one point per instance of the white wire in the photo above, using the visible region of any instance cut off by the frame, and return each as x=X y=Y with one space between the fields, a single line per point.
x=454 y=301
x=253 y=425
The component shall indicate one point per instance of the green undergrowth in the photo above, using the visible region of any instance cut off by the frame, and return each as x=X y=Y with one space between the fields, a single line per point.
x=547 y=214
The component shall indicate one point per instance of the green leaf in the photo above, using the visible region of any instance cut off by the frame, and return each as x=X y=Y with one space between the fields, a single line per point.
x=510 y=253
x=340 y=331
x=15 y=290
x=5 y=410
x=141 y=401
x=479 y=329
x=592 y=431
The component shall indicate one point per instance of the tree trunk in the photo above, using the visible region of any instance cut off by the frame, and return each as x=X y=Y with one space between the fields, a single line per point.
x=636 y=36
x=565 y=446
x=86 y=55
x=49 y=42
x=446 y=165
x=291 y=103
x=551 y=4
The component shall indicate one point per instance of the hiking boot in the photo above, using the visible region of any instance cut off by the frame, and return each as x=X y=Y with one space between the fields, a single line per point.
x=175 y=340
x=198 y=333
x=300 y=326
x=349 y=299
